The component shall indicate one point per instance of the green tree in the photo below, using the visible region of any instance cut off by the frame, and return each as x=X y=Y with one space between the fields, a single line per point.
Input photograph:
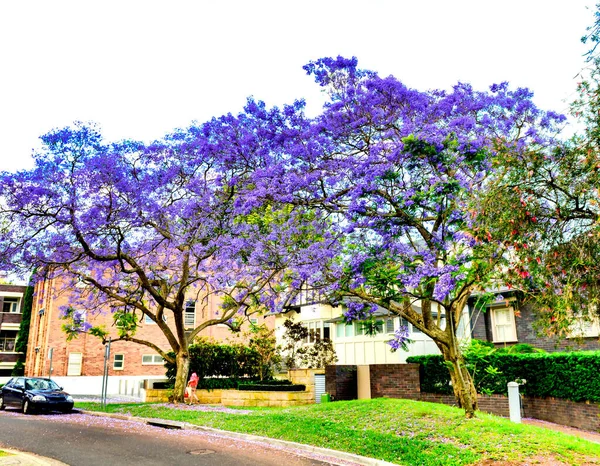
x=263 y=342
x=294 y=336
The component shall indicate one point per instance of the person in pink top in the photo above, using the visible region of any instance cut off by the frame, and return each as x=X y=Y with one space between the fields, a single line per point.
x=191 y=389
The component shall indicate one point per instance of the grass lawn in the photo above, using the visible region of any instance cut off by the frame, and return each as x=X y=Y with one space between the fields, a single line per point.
x=399 y=431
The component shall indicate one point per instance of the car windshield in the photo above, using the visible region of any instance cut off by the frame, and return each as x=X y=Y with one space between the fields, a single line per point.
x=40 y=384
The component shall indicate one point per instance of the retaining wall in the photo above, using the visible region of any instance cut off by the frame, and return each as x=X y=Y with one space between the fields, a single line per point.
x=238 y=397
x=402 y=381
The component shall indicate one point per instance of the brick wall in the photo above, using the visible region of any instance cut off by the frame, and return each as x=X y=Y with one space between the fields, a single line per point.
x=341 y=382
x=46 y=332
x=527 y=333
x=395 y=380
x=494 y=404
x=10 y=318
x=569 y=413
x=9 y=357
x=13 y=289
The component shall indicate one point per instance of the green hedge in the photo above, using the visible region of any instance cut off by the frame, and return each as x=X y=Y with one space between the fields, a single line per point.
x=570 y=376
x=216 y=363
x=272 y=388
x=271 y=382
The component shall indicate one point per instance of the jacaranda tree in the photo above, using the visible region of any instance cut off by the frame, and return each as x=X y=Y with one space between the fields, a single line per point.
x=401 y=173
x=147 y=227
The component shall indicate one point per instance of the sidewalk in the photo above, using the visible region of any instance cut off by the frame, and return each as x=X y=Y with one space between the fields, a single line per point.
x=584 y=434
x=26 y=459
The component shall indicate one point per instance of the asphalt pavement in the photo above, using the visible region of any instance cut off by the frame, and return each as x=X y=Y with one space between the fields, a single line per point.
x=98 y=439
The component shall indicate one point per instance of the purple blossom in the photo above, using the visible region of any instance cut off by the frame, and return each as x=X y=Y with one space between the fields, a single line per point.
x=400 y=339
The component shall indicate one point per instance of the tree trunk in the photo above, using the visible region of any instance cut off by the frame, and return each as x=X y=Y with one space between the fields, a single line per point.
x=462 y=382
x=181 y=376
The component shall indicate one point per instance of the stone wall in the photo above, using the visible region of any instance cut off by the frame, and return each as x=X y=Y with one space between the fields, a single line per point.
x=259 y=398
x=238 y=397
x=305 y=377
x=206 y=397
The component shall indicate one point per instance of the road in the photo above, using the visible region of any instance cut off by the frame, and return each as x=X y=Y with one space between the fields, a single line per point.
x=80 y=439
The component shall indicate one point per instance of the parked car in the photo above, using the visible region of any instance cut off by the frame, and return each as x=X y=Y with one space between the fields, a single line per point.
x=33 y=394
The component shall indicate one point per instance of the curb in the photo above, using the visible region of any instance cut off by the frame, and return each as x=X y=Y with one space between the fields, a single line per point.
x=298 y=447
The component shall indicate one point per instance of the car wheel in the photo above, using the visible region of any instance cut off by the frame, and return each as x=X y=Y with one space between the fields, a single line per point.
x=2 y=405
x=27 y=408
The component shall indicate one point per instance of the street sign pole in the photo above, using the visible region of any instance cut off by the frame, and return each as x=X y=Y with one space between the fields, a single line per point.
x=50 y=352
x=105 y=375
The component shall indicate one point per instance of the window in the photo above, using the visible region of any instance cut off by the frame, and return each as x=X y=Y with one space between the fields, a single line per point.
x=314 y=331
x=189 y=316
x=75 y=363
x=349 y=330
x=503 y=324
x=119 y=362
x=10 y=305
x=584 y=326
x=344 y=330
x=359 y=328
x=148 y=359
x=148 y=320
x=389 y=326
x=326 y=331
x=8 y=340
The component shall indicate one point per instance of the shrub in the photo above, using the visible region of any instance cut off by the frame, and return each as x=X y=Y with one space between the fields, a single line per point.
x=570 y=376
x=434 y=374
x=262 y=340
x=270 y=382
x=272 y=388
x=214 y=360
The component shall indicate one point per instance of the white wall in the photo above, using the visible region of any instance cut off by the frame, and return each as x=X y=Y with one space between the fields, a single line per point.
x=117 y=385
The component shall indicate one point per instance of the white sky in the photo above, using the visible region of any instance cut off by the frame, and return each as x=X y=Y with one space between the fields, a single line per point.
x=142 y=68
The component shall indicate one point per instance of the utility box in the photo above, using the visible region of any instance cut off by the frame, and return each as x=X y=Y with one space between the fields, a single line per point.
x=325 y=398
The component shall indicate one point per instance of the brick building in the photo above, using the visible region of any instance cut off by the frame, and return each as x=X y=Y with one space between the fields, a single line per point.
x=49 y=352
x=11 y=306
x=507 y=322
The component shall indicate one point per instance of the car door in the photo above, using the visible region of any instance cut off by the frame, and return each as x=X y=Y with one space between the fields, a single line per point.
x=8 y=392
x=14 y=392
